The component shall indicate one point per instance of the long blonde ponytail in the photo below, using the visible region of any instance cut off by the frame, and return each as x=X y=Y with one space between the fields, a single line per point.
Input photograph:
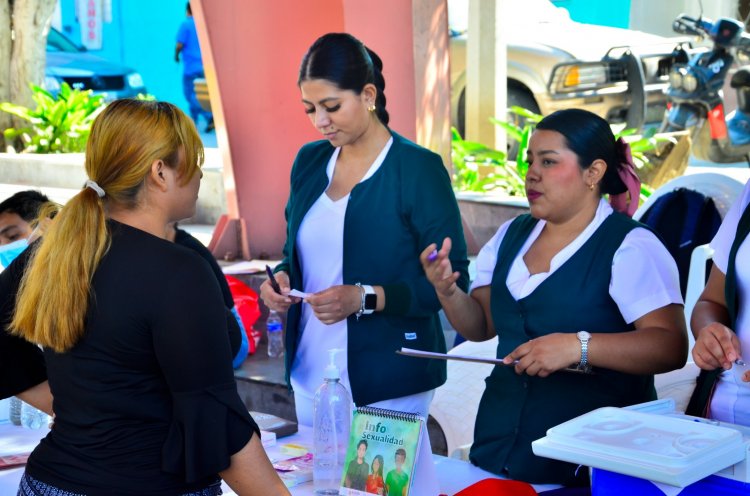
x=125 y=139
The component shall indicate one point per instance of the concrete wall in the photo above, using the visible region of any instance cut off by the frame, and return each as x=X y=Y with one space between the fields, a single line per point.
x=656 y=16
x=607 y=13
x=60 y=176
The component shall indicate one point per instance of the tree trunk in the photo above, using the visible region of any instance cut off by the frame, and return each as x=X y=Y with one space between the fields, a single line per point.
x=31 y=20
x=5 y=49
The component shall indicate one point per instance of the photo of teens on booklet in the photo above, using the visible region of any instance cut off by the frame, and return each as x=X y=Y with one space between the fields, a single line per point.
x=380 y=456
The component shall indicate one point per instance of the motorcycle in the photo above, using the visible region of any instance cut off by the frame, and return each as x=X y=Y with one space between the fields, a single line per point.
x=695 y=90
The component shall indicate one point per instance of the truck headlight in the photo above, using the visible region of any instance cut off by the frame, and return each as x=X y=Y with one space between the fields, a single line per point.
x=135 y=80
x=587 y=75
x=579 y=76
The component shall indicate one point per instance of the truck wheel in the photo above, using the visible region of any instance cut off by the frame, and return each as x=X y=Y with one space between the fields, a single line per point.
x=461 y=117
x=519 y=97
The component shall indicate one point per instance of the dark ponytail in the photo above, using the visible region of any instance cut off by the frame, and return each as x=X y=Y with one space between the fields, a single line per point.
x=342 y=59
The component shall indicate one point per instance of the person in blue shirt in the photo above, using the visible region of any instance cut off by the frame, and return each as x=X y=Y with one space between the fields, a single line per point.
x=192 y=67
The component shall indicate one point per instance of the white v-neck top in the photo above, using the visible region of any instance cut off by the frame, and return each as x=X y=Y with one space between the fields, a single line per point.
x=644 y=274
x=320 y=247
x=731 y=399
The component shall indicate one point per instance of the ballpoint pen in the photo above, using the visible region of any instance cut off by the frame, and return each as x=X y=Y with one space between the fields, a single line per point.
x=272 y=280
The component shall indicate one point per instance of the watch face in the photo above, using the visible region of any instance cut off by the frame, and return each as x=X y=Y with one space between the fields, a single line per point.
x=371 y=301
x=583 y=335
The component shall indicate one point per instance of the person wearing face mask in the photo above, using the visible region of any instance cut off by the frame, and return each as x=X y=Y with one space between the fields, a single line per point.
x=133 y=327
x=363 y=201
x=17 y=214
x=29 y=382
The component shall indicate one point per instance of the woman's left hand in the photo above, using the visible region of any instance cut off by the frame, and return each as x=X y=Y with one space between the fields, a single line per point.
x=335 y=303
x=546 y=354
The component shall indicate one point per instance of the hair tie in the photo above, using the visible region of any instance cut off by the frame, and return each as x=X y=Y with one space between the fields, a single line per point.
x=627 y=202
x=92 y=184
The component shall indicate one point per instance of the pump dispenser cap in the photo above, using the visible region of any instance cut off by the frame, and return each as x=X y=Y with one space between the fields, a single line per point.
x=332 y=371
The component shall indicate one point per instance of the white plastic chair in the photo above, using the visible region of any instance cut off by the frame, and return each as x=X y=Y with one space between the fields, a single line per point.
x=456 y=402
x=724 y=190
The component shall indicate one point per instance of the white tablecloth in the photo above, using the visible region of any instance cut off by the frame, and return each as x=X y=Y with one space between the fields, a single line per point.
x=453 y=475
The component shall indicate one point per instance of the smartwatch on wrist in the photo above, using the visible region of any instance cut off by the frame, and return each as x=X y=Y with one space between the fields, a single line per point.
x=370 y=300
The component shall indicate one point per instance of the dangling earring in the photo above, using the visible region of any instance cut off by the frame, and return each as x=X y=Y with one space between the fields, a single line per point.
x=591 y=186
x=371 y=108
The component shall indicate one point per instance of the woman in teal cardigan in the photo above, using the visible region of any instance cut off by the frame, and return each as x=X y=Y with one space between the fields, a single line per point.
x=363 y=202
x=574 y=283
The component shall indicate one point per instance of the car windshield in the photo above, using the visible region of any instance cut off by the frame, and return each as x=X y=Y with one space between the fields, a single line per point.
x=57 y=42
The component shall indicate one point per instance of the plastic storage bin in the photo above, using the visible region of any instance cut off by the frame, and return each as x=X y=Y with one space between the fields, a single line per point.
x=662 y=448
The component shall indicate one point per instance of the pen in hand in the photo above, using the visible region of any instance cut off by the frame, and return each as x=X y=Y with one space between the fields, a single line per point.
x=272 y=280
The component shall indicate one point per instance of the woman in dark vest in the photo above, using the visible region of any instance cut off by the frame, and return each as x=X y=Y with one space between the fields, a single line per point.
x=721 y=324
x=574 y=283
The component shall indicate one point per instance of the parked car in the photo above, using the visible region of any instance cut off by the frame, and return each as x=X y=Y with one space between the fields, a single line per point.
x=555 y=63
x=68 y=62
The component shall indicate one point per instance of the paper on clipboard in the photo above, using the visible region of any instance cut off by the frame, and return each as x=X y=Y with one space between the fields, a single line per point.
x=445 y=356
x=468 y=358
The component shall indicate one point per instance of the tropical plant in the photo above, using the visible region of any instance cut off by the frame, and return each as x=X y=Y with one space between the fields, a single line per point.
x=58 y=124
x=479 y=168
x=520 y=133
x=642 y=146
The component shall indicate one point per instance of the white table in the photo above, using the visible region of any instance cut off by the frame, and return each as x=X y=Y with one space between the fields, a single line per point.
x=453 y=475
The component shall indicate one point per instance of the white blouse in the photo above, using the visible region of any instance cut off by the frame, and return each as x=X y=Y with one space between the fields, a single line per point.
x=644 y=274
x=320 y=247
x=731 y=399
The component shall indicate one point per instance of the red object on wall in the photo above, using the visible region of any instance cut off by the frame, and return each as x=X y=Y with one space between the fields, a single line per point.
x=246 y=303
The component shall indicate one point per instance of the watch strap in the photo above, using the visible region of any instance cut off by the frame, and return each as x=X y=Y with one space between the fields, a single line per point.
x=370 y=300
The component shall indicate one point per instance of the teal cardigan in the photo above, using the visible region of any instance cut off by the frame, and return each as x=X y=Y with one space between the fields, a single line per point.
x=390 y=218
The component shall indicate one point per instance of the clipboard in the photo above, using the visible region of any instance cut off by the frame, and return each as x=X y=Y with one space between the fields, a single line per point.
x=468 y=358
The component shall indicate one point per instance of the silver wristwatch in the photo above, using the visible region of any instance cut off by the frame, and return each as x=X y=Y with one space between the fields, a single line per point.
x=584 y=338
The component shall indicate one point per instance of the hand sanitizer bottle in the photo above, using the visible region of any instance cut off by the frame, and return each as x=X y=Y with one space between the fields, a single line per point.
x=332 y=416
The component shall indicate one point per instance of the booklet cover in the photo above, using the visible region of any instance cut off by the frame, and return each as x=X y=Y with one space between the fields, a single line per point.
x=388 y=453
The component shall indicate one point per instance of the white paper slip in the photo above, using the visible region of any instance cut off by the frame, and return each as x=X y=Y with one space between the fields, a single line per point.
x=299 y=294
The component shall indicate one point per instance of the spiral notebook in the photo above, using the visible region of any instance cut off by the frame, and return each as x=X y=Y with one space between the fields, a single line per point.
x=389 y=453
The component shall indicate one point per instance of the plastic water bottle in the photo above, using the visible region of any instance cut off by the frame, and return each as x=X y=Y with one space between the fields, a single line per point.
x=332 y=417
x=275 y=331
x=15 y=411
x=32 y=418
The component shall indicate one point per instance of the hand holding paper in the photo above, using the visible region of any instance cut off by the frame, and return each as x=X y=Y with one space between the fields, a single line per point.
x=298 y=294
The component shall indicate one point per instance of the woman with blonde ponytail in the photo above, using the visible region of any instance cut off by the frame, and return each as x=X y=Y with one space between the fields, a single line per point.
x=130 y=324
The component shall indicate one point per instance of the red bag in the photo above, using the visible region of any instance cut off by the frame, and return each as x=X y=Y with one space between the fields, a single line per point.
x=246 y=303
x=498 y=487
